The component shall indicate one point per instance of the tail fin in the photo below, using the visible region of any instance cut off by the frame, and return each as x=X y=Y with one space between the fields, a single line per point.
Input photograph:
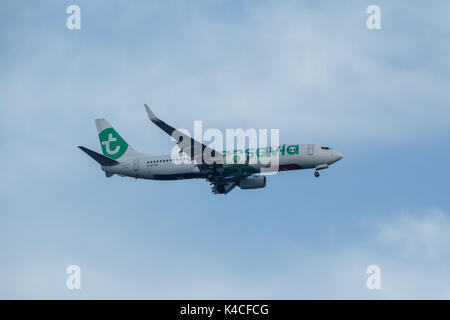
x=113 y=145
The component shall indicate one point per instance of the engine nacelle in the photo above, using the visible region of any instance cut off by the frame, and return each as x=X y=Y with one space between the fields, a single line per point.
x=253 y=182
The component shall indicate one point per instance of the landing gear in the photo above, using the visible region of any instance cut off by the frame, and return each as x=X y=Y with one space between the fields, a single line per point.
x=221 y=188
x=320 y=167
x=212 y=175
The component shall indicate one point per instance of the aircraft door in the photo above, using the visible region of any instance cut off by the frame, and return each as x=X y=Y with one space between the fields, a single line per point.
x=136 y=164
x=310 y=149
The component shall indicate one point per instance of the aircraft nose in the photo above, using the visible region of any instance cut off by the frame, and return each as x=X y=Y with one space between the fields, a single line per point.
x=338 y=155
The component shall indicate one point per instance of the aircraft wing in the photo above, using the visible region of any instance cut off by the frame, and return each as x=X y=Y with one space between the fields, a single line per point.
x=191 y=147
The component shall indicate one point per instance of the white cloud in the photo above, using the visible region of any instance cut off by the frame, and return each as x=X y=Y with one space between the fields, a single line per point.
x=421 y=236
x=318 y=74
x=315 y=73
x=415 y=266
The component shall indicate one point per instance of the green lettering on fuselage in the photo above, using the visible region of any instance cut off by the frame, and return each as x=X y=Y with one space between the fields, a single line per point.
x=266 y=152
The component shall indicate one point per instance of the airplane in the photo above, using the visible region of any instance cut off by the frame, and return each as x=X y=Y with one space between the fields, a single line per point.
x=190 y=163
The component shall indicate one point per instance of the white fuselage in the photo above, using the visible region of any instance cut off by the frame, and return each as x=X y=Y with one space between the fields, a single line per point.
x=168 y=167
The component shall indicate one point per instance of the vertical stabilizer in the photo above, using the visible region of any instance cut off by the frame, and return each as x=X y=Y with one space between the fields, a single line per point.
x=113 y=145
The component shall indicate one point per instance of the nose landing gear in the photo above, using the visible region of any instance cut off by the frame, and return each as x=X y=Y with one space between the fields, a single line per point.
x=320 y=167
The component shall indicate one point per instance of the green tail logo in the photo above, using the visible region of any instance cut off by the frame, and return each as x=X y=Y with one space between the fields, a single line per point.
x=112 y=143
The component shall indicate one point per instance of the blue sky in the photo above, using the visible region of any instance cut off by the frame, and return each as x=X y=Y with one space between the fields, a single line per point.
x=309 y=68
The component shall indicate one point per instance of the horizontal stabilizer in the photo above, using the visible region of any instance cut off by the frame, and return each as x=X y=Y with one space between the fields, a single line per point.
x=101 y=159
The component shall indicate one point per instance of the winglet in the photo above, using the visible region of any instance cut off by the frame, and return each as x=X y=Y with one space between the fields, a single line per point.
x=150 y=113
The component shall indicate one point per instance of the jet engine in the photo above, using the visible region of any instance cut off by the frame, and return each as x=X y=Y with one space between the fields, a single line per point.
x=253 y=182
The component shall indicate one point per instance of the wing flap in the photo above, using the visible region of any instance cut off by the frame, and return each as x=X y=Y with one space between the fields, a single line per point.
x=222 y=187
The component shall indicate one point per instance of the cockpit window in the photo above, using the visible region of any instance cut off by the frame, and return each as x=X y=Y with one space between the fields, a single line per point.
x=326 y=148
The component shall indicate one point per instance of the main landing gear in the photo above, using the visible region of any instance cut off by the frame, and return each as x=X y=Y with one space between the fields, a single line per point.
x=316 y=174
